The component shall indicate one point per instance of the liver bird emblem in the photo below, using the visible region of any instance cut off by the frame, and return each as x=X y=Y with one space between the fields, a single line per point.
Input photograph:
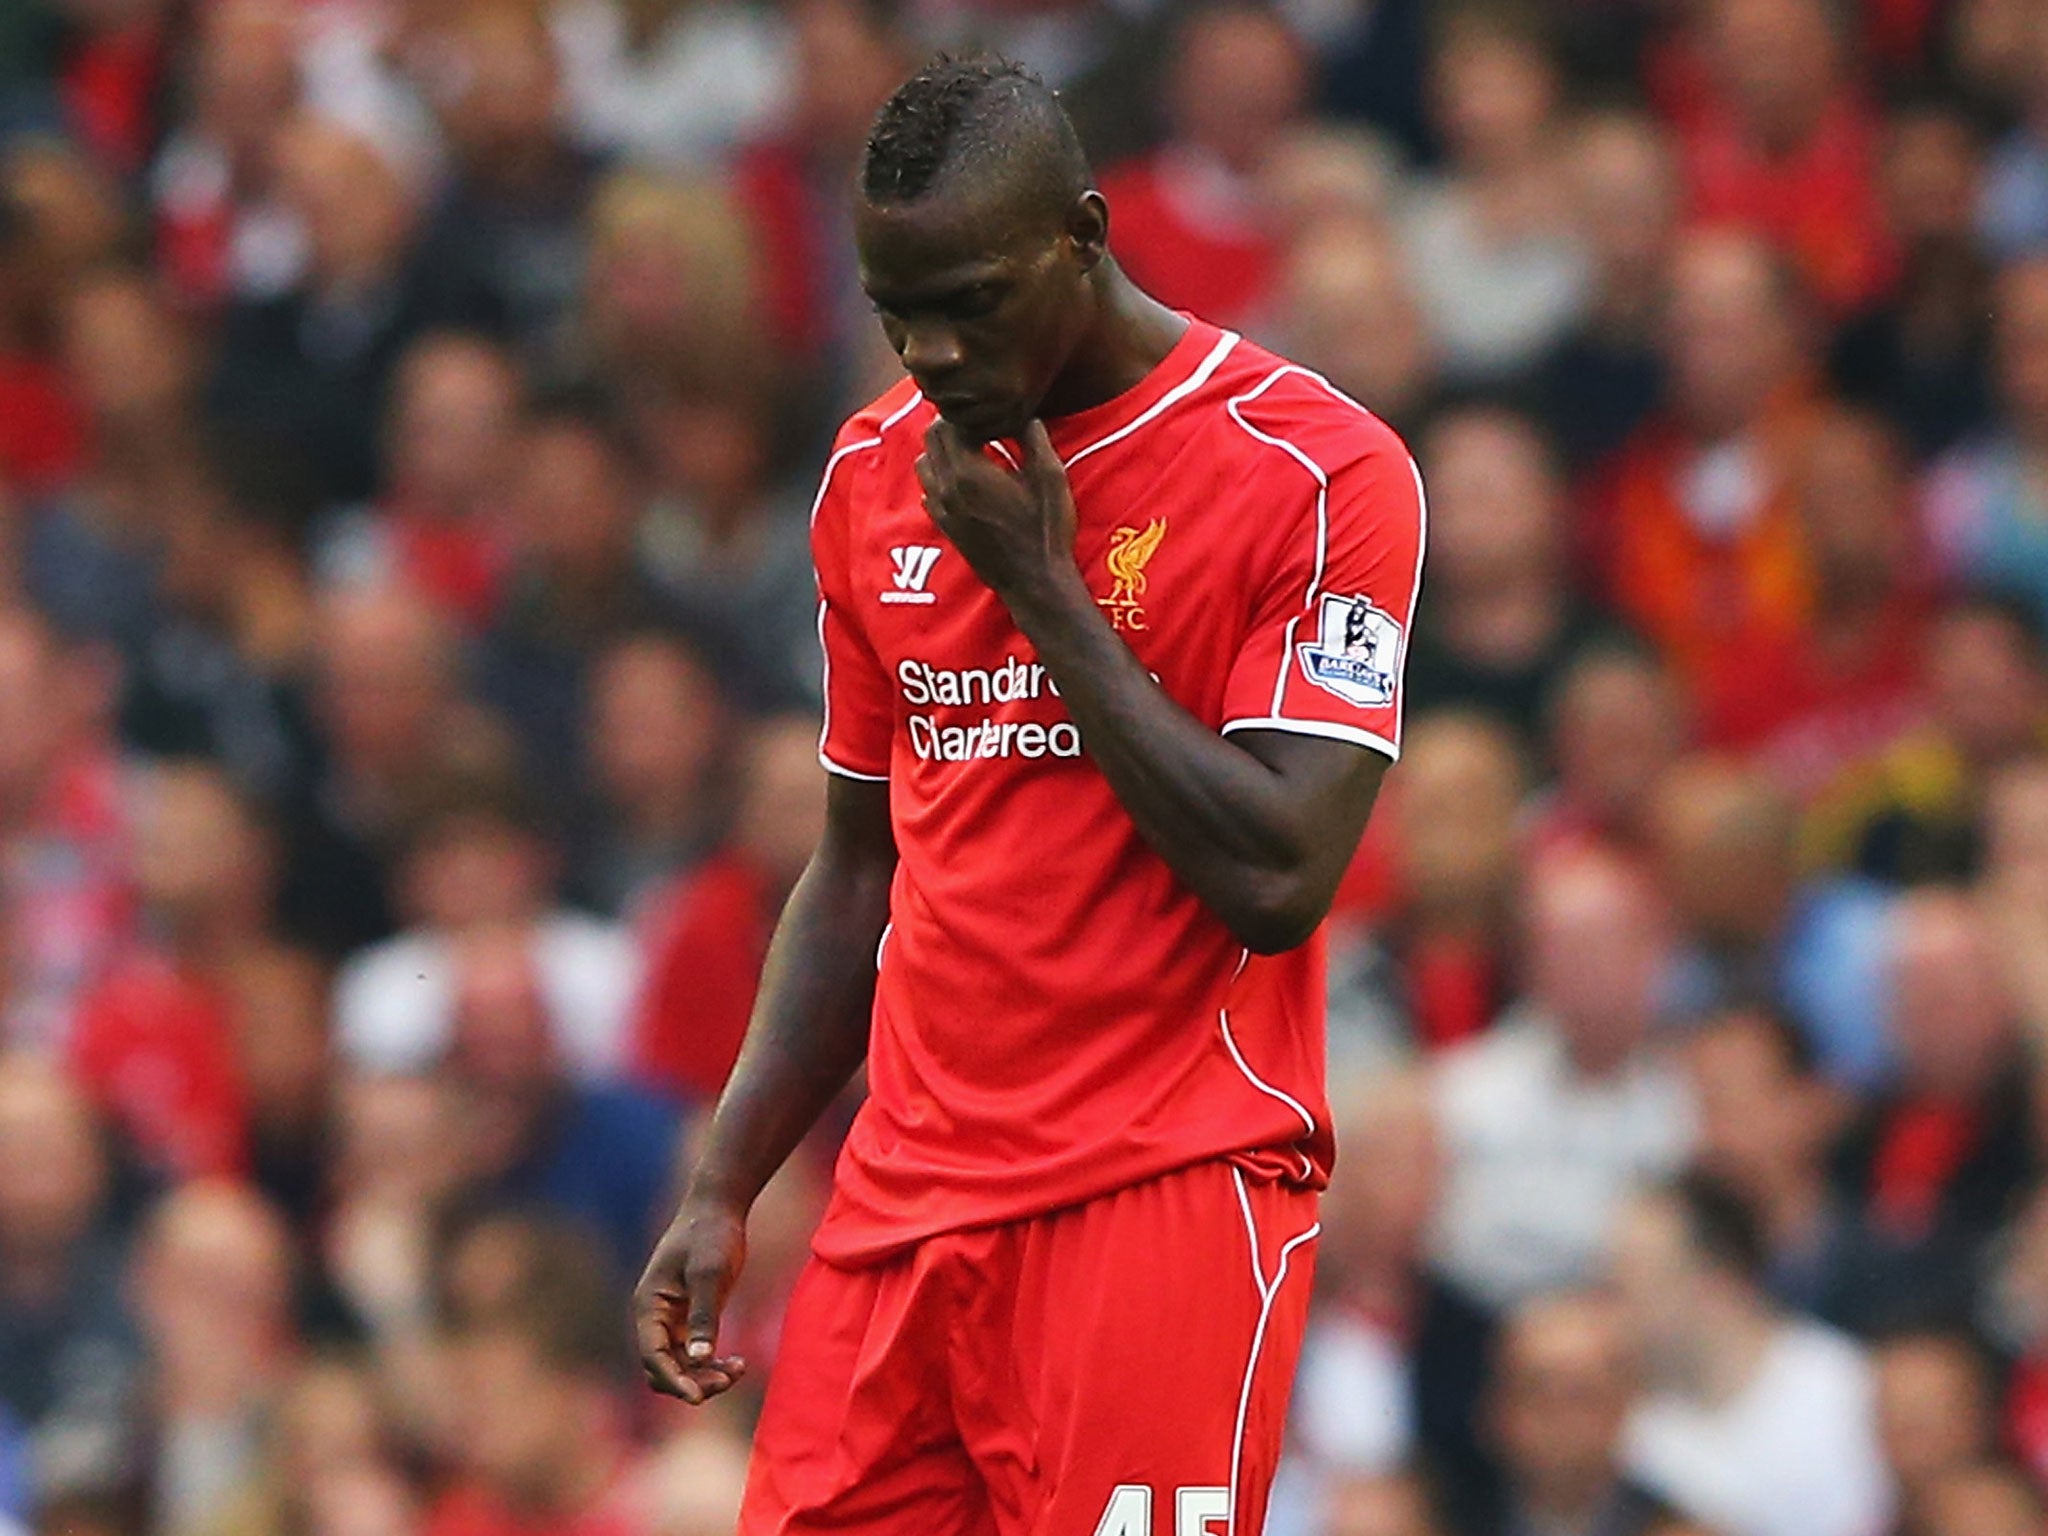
x=1130 y=549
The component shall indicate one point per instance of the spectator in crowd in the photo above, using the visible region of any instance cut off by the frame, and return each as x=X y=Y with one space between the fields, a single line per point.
x=1694 y=529
x=313 y=364
x=1775 y=137
x=1554 y=1116
x=729 y=546
x=1563 y=1383
x=1983 y=506
x=89 y=550
x=2013 y=216
x=1394 y=1361
x=1598 y=379
x=1436 y=970
x=1726 y=839
x=577 y=579
x=791 y=182
x=277 y=1000
x=476 y=861
x=1921 y=355
x=441 y=525
x=1235 y=79
x=384 y=693
x=219 y=230
x=70 y=1361
x=157 y=1040
x=1935 y=1411
x=670 y=286
x=1767 y=1125
x=1497 y=262
x=1344 y=304
x=1933 y=1167
x=214 y=670
x=1754 y=1422
x=1615 y=723
x=655 y=724
x=1499 y=622
x=508 y=224
x=1812 y=698
x=540 y=1442
x=41 y=433
x=1910 y=813
x=212 y=1277
x=63 y=833
x=670 y=84
x=530 y=1133
x=706 y=933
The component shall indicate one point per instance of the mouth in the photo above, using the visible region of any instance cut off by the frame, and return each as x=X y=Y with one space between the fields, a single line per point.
x=975 y=414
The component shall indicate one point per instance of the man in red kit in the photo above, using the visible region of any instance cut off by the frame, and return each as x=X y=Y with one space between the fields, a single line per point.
x=1114 y=607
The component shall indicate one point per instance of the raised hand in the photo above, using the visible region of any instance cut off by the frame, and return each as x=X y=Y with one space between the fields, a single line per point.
x=1015 y=529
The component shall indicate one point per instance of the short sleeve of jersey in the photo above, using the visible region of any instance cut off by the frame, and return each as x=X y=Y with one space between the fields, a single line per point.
x=1328 y=637
x=860 y=719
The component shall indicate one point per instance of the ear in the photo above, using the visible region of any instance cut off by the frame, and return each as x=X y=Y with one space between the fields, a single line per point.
x=1088 y=228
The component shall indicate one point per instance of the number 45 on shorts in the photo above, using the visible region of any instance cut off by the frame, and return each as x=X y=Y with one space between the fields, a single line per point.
x=1196 y=1512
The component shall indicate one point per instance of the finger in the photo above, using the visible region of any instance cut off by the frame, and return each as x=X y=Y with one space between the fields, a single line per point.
x=700 y=1329
x=657 y=1353
x=928 y=475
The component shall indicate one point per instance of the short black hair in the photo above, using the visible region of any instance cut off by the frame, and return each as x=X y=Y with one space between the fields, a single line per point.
x=1721 y=1226
x=975 y=109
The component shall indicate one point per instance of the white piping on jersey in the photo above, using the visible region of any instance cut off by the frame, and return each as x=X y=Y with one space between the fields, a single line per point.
x=825 y=478
x=1323 y=728
x=824 y=653
x=1165 y=402
x=1230 y=1043
x=1267 y=1294
x=1322 y=480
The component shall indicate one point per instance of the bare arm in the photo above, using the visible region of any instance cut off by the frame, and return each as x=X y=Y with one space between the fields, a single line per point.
x=808 y=1034
x=1260 y=825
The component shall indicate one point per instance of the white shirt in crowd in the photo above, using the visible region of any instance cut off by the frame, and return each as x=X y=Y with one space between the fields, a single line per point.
x=1540 y=1158
x=1794 y=1454
x=395 y=1001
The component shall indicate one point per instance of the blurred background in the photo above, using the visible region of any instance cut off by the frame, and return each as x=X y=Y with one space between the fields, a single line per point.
x=408 y=413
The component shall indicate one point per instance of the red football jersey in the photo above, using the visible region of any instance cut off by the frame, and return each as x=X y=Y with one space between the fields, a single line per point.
x=1056 y=1015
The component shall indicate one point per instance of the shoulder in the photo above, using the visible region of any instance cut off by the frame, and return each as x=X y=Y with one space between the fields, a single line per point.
x=872 y=436
x=1284 y=407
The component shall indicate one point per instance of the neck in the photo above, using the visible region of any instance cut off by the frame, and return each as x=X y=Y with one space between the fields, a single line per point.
x=1720 y=1372
x=1129 y=335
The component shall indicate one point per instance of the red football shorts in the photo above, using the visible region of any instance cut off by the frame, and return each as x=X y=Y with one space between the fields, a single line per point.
x=1118 y=1368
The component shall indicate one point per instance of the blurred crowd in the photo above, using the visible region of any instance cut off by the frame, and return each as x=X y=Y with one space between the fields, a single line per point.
x=408 y=415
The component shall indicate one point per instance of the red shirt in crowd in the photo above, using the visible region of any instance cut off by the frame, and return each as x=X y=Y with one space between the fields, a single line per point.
x=705 y=936
x=42 y=431
x=472 y=1510
x=154 y=1045
x=1808 y=714
x=1185 y=231
x=1056 y=1015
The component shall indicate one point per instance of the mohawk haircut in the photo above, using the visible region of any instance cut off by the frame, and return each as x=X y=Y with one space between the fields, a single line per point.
x=980 y=110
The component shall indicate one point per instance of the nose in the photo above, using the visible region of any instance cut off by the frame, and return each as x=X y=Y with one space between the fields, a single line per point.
x=931 y=351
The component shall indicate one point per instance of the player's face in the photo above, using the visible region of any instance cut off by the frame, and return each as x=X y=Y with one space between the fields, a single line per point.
x=984 y=304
